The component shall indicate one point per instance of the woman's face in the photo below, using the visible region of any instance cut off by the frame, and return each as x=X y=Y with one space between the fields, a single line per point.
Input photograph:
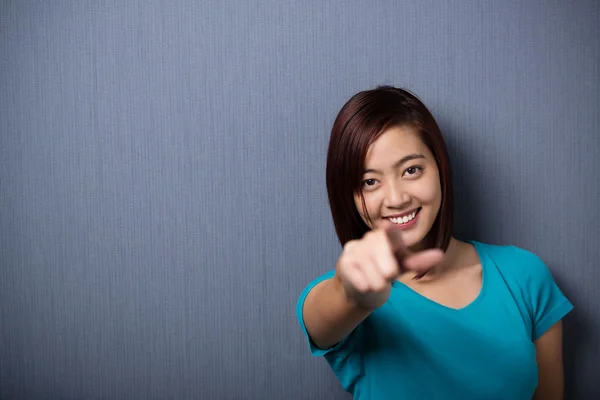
x=401 y=184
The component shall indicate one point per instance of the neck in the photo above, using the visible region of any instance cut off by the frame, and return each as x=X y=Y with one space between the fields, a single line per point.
x=454 y=249
x=450 y=258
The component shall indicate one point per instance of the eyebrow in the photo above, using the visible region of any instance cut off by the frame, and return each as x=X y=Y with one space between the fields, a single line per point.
x=398 y=163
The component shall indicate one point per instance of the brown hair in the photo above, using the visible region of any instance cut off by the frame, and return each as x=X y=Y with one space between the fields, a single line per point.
x=360 y=121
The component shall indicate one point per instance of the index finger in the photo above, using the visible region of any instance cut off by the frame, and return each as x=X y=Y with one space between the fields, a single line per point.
x=394 y=236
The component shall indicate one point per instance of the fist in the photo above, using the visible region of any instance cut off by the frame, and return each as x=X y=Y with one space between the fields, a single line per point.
x=367 y=267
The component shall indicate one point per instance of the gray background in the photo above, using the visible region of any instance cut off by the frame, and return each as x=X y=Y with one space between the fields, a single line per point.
x=162 y=192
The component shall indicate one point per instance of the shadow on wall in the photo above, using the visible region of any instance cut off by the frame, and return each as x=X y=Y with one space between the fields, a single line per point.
x=576 y=338
x=471 y=219
x=469 y=216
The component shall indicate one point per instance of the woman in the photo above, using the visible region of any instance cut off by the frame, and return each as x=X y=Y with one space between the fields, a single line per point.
x=410 y=312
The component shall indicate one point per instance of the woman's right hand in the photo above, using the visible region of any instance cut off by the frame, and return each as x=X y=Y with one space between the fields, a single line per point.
x=367 y=267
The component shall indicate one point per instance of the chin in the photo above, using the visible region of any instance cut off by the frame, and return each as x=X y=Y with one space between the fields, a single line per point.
x=413 y=243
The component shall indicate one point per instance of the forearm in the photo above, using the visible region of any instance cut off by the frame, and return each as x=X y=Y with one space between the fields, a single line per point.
x=329 y=316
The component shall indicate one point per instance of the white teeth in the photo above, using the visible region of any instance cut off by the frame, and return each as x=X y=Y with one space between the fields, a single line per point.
x=405 y=219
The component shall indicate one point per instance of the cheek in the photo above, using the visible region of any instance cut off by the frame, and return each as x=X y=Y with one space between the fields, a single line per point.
x=358 y=203
x=371 y=204
x=431 y=193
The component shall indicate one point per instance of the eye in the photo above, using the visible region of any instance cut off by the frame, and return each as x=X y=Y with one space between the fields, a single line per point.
x=413 y=171
x=369 y=183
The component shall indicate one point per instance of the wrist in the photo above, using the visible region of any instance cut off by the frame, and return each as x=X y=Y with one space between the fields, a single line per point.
x=352 y=301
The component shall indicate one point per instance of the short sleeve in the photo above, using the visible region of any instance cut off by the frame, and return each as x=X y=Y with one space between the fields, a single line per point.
x=314 y=350
x=547 y=303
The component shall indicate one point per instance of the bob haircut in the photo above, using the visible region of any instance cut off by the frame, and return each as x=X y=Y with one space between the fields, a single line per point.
x=359 y=123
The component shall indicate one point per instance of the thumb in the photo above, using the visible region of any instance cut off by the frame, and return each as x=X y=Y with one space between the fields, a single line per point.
x=420 y=262
x=423 y=260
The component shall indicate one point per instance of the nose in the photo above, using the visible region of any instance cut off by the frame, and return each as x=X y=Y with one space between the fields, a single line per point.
x=395 y=196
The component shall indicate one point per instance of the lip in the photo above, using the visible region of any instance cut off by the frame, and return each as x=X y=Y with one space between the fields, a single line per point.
x=410 y=223
x=403 y=214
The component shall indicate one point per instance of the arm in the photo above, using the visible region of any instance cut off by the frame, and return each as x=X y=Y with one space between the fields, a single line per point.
x=328 y=315
x=550 y=364
x=361 y=284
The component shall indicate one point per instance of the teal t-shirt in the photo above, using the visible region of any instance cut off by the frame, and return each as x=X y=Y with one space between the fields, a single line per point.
x=415 y=348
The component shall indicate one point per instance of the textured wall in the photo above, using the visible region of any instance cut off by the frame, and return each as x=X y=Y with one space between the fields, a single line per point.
x=162 y=192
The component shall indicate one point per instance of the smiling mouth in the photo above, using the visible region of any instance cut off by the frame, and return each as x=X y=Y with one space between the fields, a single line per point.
x=406 y=218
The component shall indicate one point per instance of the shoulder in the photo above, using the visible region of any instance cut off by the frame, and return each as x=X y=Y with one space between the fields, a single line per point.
x=308 y=287
x=304 y=293
x=514 y=261
x=531 y=284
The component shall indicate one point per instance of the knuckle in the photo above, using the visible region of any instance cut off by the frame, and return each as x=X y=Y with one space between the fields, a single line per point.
x=378 y=287
x=349 y=245
x=360 y=286
x=369 y=236
x=391 y=272
x=378 y=237
x=346 y=259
